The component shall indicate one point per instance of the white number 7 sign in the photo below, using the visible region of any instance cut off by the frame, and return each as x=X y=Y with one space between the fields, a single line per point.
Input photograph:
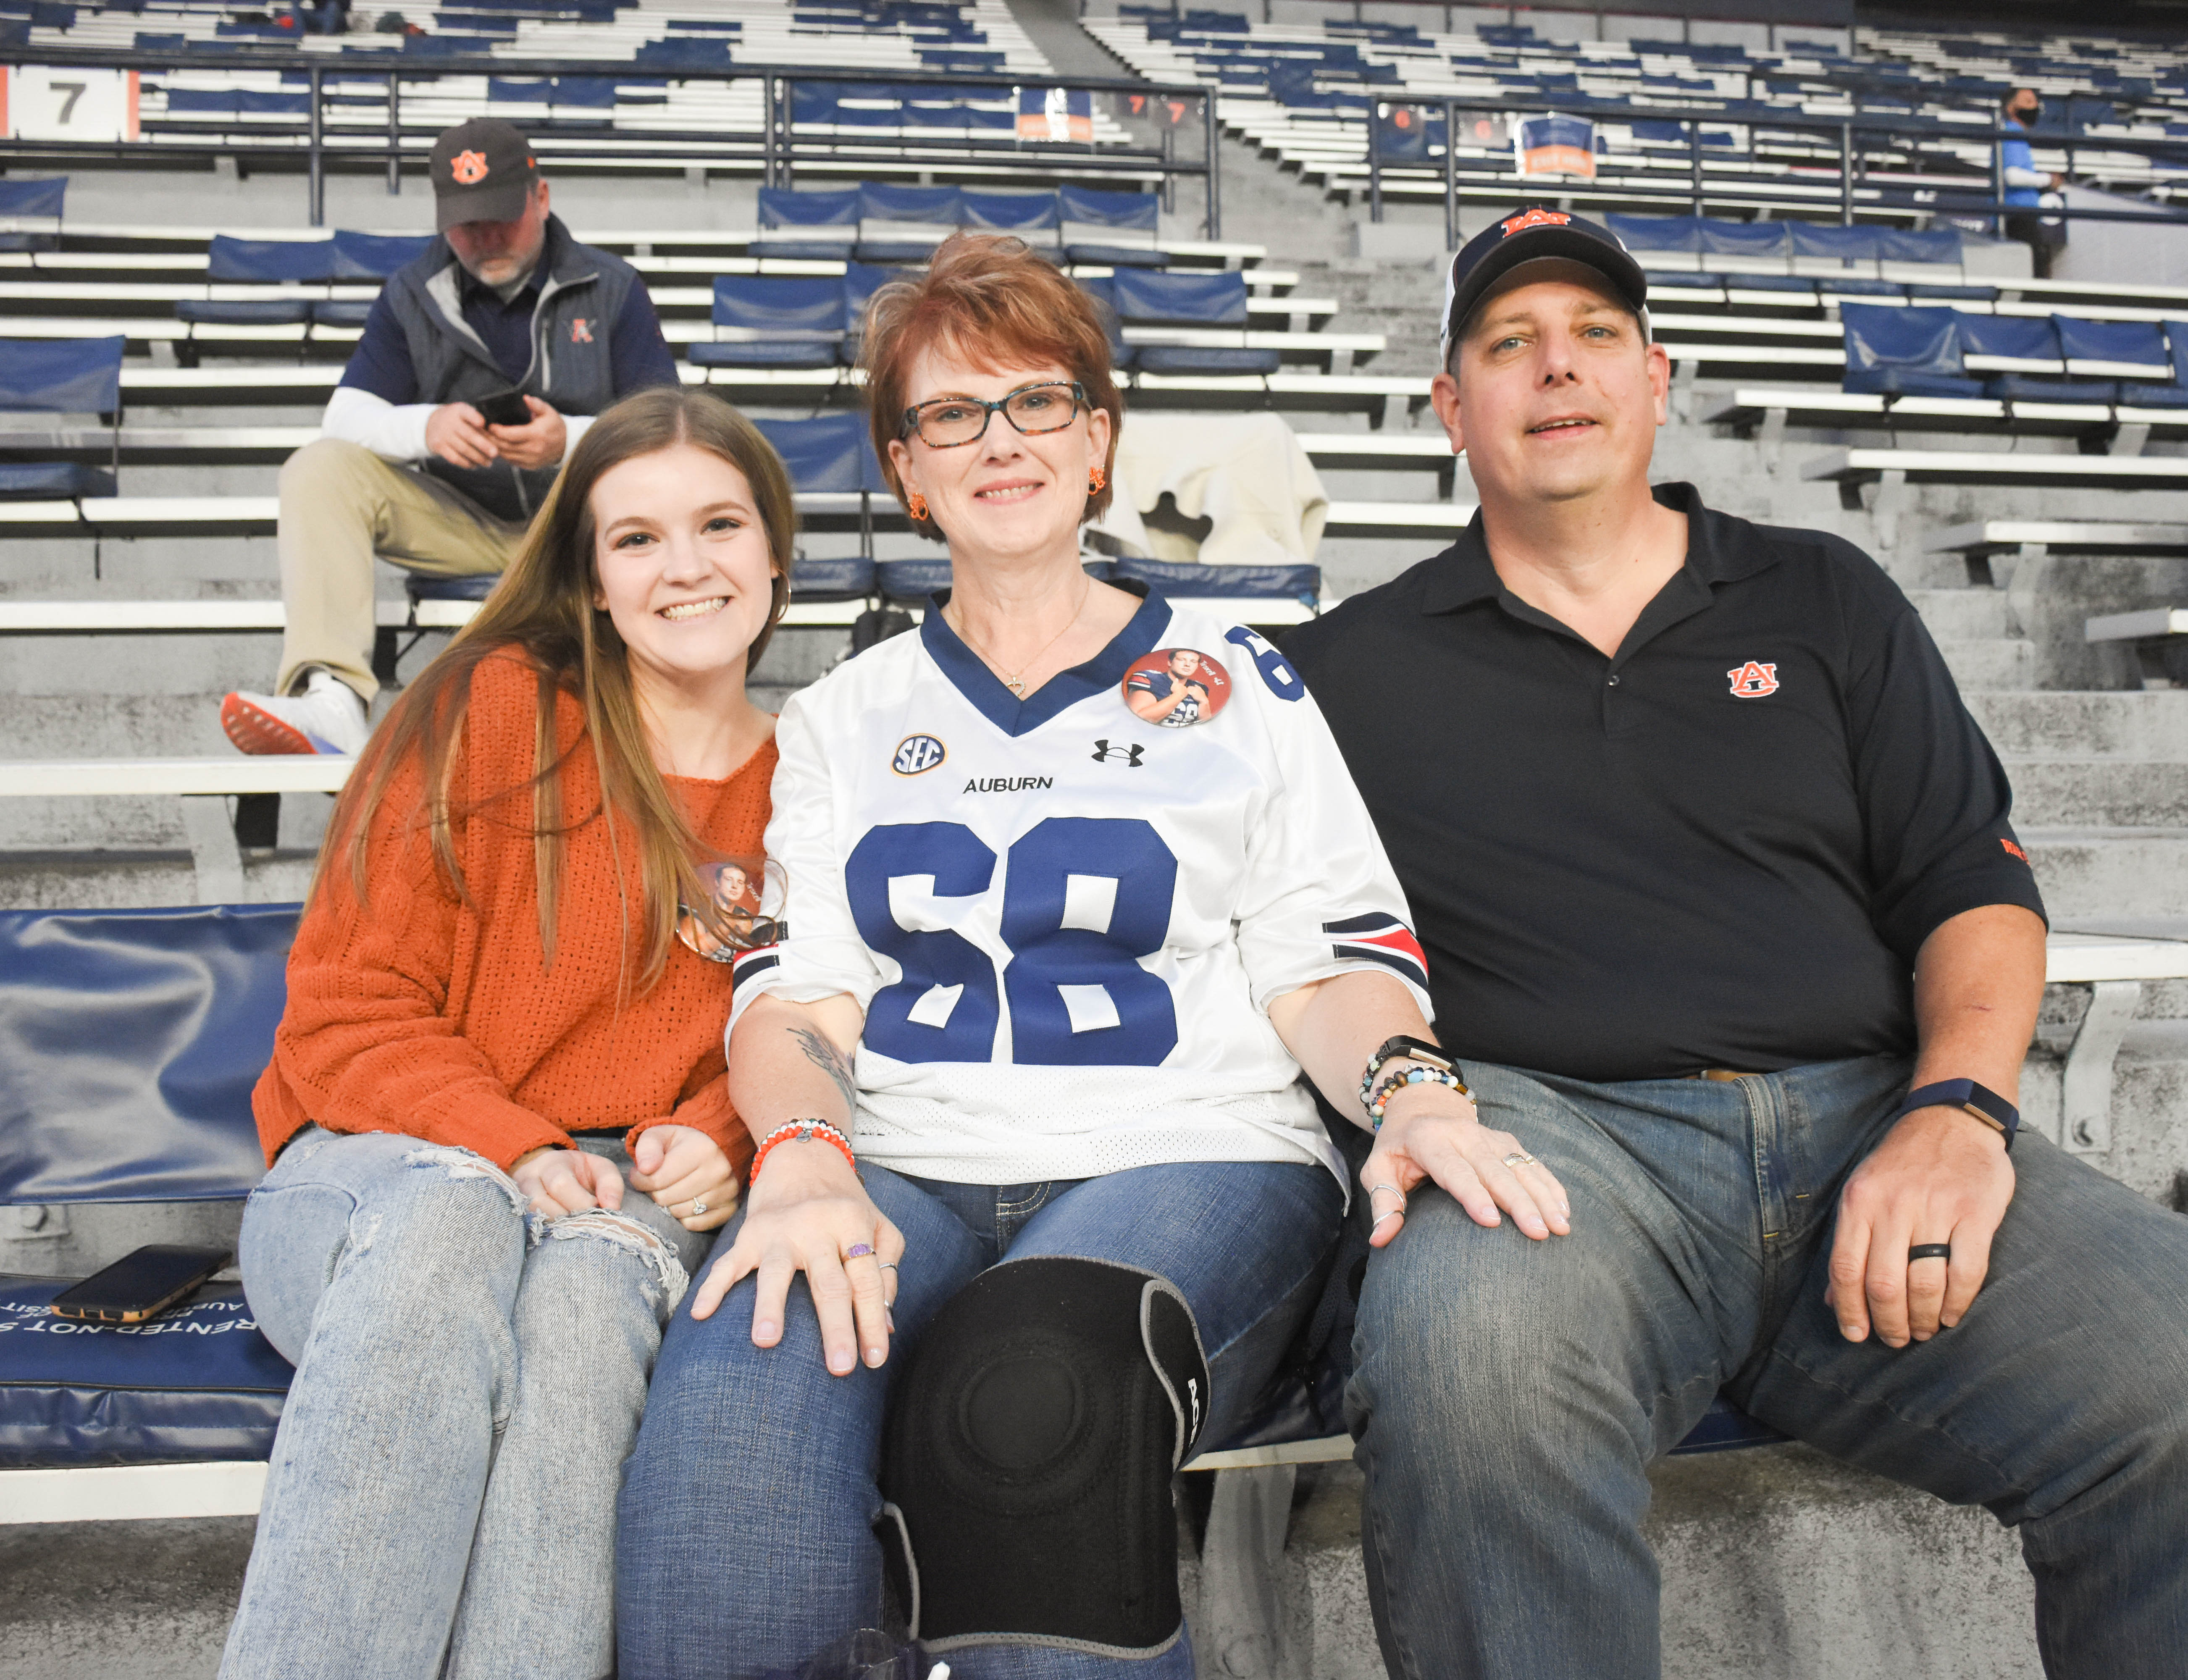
x=51 y=102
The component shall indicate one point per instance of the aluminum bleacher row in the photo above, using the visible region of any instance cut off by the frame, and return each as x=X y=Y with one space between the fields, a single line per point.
x=1672 y=118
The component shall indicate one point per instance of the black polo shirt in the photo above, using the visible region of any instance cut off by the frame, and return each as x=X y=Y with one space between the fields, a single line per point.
x=1721 y=848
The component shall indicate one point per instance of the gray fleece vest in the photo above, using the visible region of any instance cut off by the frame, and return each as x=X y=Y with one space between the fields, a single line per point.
x=580 y=301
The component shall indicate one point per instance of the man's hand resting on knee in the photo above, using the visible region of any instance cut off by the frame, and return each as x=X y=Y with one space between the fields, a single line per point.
x=1940 y=1174
x=539 y=441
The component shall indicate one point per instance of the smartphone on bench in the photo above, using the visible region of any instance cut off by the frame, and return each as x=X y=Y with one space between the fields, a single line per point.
x=503 y=408
x=139 y=1285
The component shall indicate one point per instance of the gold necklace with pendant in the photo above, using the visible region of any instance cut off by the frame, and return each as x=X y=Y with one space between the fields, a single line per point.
x=1015 y=681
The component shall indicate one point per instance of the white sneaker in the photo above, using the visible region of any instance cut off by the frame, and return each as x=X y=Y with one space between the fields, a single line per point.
x=327 y=717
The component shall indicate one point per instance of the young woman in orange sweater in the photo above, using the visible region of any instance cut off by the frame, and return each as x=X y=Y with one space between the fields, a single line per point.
x=497 y=1116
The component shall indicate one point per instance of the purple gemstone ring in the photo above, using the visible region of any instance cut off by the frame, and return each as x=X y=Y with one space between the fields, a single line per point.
x=859 y=1251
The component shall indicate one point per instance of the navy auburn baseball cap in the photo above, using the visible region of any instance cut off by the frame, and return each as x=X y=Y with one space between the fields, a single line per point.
x=482 y=170
x=1525 y=236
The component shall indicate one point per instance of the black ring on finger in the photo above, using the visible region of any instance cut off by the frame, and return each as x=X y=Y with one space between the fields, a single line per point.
x=1943 y=1251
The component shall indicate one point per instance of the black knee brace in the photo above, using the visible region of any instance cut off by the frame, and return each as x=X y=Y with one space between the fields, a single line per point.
x=1028 y=1458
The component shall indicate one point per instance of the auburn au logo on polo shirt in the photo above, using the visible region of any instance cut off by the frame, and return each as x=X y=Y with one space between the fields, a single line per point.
x=1754 y=679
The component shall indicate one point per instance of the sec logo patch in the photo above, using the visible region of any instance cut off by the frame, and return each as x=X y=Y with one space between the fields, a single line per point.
x=915 y=754
x=1753 y=680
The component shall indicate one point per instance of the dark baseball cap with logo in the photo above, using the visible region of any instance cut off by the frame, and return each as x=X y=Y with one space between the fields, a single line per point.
x=482 y=172
x=1524 y=236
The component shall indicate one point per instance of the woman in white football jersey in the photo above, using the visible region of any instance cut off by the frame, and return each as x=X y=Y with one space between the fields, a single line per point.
x=1050 y=975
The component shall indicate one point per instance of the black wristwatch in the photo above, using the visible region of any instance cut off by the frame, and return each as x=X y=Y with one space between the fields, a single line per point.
x=1984 y=1104
x=1399 y=1047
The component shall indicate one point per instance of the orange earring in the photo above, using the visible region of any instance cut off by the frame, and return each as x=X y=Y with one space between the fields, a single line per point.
x=916 y=504
x=1095 y=479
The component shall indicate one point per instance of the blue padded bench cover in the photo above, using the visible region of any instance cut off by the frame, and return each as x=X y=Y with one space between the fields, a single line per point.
x=2154 y=396
x=129 y=1042
x=1212 y=299
x=826 y=452
x=1767 y=282
x=894 y=251
x=1207 y=362
x=1659 y=280
x=1921 y=288
x=1264 y=583
x=813 y=354
x=912 y=579
x=1912 y=351
x=341 y=312
x=198 y=1383
x=803 y=250
x=40 y=482
x=1844 y=287
x=845 y=579
x=477 y=586
x=239 y=313
x=2033 y=388
x=1117 y=256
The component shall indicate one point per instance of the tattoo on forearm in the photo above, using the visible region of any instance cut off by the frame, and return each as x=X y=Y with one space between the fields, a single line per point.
x=829 y=1060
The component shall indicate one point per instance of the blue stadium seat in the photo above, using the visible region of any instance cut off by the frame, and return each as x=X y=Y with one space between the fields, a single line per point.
x=1204 y=361
x=827 y=452
x=1745 y=239
x=341 y=312
x=782 y=207
x=912 y=580
x=61 y=375
x=2164 y=396
x=802 y=316
x=2118 y=349
x=1102 y=209
x=270 y=262
x=270 y=312
x=1656 y=232
x=1904 y=352
x=862 y=280
x=1212 y=299
x=1103 y=291
x=846 y=578
x=373 y=256
x=52 y=481
x=942 y=206
x=1263 y=583
x=1010 y=212
x=2031 y=342
x=1832 y=243
x=42 y=197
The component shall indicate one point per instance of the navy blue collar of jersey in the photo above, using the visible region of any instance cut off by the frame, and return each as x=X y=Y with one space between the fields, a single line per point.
x=969 y=674
x=1719 y=550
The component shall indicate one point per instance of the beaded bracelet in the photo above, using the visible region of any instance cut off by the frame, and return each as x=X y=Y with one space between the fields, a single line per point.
x=800 y=1131
x=1392 y=1084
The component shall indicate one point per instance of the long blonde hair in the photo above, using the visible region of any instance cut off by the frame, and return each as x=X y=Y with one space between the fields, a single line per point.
x=543 y=607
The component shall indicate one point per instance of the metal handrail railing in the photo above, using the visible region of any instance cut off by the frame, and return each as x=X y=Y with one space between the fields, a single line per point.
x=778 y=150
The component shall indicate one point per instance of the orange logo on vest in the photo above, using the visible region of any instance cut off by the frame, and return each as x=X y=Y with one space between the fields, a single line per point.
x=469 y=168
x=1534 y=218
x=1752 y=681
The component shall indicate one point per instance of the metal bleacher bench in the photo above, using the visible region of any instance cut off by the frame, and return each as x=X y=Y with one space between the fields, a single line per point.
x=2160 y=637
x=129 y=1043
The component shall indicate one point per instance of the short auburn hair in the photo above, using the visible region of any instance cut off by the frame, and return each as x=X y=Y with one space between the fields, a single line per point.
x=988 y=300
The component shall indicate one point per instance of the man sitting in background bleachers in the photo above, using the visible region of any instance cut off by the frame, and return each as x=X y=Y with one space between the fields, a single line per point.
x=2026 y=185
x=1724 y=921
x=504 y=304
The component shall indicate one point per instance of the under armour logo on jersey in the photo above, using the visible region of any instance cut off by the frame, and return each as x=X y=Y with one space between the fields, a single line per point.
x=1104 y=753
x=1381 y=938
x=1753 y=680
x=581 y=331
x=915 y=754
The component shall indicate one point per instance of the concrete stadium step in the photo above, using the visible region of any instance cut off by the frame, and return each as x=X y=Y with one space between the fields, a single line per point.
x=2098 y=871
x=1965 y=614
x=1994 y=663
x=2127 y=723
x=2101 y=793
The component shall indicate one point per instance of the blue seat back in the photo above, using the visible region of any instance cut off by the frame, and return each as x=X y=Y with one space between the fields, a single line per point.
x=269 y=260
x=782 y=208
x=1656 y=232
x=1015 y=212
x=1917 y=339
x=2134 y=349
x=1108 y=210
x=2176 y=338
x=129 y=1044
x=1842 y=245
x=1216 y=299
x=788 y=306
x=1743 y=238
x=828 y=453
x=879 y=202
x=862 y=280
x=33 y=198
x=374 y=257
x=2029 y=338
x=61 y=375
x=1928 y=245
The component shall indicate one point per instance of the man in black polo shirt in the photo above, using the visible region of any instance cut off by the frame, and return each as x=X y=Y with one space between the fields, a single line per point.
x=1725 y=923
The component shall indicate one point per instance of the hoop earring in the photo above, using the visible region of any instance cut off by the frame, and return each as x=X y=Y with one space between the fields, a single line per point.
x=914 y=504
x=1095 y=479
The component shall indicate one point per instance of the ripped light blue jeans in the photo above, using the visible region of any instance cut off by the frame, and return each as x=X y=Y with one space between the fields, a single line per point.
x=470 y=1377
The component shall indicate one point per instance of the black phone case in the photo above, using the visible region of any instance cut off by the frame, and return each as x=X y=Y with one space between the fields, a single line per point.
x=504 y=407
x=176 y=1270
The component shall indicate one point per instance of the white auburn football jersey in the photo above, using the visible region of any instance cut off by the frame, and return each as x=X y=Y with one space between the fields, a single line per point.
x=1065 y=922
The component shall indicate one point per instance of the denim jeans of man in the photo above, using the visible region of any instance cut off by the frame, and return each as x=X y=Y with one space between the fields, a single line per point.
x=746 y=1540
x=469 y=1380
x=1509 y=1396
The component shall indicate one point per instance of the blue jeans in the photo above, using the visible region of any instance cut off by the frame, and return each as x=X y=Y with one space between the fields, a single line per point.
x=469 y=1378
x=746 y=1537
x=1510 y=1396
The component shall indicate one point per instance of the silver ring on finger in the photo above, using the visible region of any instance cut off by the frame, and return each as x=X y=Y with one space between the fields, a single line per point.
x=889 y=1266
x=1520 y=1158
x=698 y=1208
x=1392 y=1188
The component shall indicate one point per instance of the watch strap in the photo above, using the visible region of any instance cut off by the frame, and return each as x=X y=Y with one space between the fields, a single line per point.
x=1978 y=1100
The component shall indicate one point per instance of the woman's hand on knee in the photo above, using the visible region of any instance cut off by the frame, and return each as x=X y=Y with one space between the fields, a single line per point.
x=1431 y=1132
x=687 y=1173
x=557 y=1181
x=812 y=1215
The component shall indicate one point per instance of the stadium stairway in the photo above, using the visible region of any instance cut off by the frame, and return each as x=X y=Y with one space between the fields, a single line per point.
x=1774 y=1560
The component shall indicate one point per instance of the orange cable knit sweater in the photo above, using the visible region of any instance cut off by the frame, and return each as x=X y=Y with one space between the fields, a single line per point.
x=416 y=1013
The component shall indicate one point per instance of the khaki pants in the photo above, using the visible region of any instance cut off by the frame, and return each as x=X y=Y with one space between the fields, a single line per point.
x=340 y=504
